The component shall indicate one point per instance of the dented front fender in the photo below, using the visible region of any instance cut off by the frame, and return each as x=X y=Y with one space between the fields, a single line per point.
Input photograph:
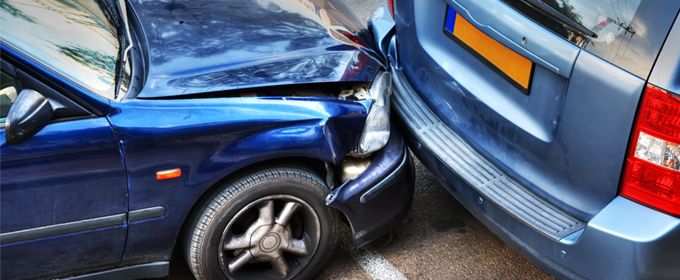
x=211 y=138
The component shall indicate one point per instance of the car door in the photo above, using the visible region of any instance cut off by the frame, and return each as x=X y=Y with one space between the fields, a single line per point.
x=63 y=195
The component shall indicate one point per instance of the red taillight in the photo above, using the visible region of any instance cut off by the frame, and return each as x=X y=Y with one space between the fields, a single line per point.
x=390 y=4
x=652 y=171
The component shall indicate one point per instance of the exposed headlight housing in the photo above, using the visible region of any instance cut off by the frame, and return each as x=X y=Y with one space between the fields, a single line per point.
x=377 y=129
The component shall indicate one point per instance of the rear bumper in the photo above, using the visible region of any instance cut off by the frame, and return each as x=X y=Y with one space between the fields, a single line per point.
x=624 y=241
x=380 y=198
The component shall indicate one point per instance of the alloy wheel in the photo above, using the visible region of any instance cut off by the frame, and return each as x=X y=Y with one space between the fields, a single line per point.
x=273 y=237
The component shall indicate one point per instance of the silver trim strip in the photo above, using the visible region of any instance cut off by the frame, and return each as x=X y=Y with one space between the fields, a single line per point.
x=141 y=271
x=61 y=229
x=146 y=213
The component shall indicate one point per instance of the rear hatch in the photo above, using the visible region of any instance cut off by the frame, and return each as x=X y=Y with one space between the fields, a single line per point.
x=545 y=89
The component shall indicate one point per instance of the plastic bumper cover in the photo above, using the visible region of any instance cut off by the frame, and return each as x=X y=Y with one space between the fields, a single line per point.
x=624 y=241
x=380 y=198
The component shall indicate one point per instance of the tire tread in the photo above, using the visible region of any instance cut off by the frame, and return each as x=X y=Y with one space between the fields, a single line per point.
x=206 y=214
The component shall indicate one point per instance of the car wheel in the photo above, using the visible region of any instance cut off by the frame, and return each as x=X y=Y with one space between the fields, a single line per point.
x=271 y=224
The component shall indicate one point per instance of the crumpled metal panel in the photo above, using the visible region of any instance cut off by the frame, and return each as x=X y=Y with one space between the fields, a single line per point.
x=209 y=45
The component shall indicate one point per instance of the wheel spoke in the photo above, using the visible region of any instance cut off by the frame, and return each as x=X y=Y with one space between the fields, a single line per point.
x=280 y=266
x=266 y=213
x=287 y=213
x=240 y=260
x=298 y=247
x=236 y=242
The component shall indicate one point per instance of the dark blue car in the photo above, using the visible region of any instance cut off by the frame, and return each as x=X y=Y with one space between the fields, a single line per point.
x=555 y=122
x=237 y=132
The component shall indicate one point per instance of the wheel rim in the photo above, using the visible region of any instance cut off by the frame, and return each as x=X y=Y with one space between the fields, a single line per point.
x=273 y=237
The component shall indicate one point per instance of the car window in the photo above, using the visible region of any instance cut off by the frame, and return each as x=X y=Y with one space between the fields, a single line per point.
x=72 y=38
x=8 y=93
x=627 y=33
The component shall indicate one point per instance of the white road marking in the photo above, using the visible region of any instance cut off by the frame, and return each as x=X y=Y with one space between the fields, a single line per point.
x=375 y=264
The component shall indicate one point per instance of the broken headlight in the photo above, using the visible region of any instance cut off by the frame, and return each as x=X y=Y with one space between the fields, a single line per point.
x=377 y=129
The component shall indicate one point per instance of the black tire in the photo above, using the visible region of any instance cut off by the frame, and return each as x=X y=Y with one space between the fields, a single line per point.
x=218 y=223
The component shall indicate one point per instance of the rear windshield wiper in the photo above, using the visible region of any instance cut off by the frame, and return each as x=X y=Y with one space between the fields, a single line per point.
x=556 y=15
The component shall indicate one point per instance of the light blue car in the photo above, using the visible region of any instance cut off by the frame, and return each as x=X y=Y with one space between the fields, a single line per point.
x=555 y=122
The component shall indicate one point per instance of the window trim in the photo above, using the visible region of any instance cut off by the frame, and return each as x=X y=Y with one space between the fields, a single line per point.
x=66 y=100
x=16 y=66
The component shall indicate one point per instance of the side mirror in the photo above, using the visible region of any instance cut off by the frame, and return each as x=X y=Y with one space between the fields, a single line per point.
x=30 y=112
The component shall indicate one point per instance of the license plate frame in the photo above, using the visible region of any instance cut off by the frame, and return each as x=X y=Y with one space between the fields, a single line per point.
x=511 y=66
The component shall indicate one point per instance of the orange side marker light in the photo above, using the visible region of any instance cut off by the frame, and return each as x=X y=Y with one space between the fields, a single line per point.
x=168 y=174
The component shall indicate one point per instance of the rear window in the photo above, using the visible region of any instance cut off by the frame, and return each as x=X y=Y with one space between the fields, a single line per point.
x=627 y=33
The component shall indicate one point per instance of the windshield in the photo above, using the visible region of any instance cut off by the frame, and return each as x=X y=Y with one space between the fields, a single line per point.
x=72 y=38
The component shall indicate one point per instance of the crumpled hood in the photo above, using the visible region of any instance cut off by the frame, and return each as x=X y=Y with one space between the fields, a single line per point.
x=197 y=46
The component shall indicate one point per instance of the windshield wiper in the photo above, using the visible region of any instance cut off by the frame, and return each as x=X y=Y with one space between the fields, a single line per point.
x=125 y=38
x=112 y=14
x=126 y=24
x=556 y=15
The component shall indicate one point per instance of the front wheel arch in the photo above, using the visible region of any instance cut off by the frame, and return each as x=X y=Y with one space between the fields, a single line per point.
x=205 y=224
x=314 y=165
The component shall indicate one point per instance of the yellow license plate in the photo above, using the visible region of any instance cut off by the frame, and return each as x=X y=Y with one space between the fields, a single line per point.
x=510 y=65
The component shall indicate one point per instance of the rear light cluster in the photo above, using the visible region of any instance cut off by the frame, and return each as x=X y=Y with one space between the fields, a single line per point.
x=390 y=4
x=652 y=172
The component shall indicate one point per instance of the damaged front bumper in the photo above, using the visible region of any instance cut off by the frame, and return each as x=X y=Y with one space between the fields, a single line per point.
x=379 y=198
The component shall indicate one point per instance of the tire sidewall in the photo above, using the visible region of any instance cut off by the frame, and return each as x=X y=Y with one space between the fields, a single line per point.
x=312 y=193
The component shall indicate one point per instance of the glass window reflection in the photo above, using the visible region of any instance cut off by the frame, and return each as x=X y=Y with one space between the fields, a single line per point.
x=73 y=38
x=8 y=94
x=627 y=33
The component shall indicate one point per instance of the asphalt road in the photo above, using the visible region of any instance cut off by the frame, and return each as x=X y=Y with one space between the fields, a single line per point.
x=438 y=240
x=363 y=8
